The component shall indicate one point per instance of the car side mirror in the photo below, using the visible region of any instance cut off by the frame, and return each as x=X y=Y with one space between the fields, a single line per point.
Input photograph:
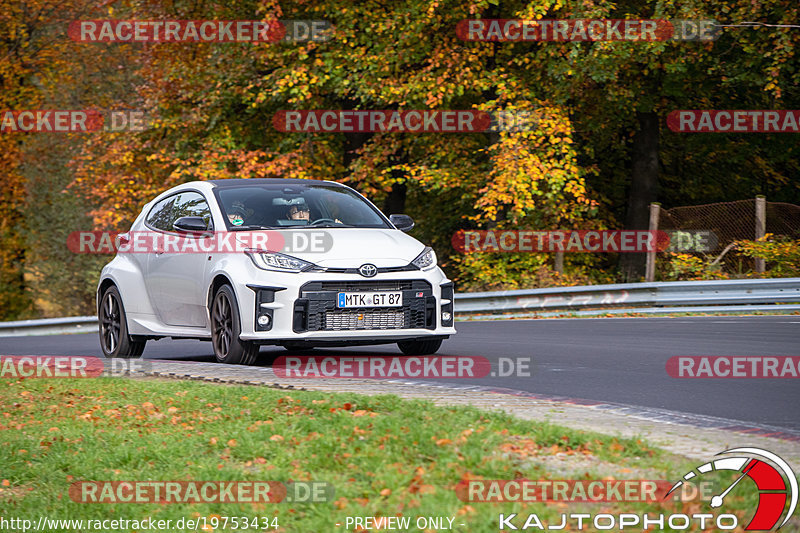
x=190 y=225
x=402 y=222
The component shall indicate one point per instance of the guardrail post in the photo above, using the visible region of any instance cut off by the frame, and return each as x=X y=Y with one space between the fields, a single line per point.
x=650 y=266
x=761 y=226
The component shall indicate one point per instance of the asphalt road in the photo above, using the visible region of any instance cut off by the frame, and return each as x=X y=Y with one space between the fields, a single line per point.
x=618 y=360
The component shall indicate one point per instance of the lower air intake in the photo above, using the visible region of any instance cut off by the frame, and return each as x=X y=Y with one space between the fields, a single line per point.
x=376 y=319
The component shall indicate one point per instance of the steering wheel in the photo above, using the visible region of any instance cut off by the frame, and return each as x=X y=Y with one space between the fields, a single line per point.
x=321 y=220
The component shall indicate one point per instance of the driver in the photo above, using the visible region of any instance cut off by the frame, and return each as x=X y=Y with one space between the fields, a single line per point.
x=299 y=212
x=237 y=213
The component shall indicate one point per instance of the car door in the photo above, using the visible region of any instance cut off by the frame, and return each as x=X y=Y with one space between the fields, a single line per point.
x=175 y=273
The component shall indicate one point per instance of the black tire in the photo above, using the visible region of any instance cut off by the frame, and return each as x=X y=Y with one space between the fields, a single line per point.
x=226 y=326
x=420 y=347
x=114 y=338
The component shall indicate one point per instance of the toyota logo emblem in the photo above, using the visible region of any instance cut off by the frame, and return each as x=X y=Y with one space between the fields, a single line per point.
x=368 y=270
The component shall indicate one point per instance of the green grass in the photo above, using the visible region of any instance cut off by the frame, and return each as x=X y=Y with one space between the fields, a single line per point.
x=384 y=456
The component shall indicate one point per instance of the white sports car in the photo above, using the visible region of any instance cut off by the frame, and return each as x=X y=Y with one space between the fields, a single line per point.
x=295 y=263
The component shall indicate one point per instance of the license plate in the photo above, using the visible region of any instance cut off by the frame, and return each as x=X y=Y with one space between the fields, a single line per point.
x=369 y=299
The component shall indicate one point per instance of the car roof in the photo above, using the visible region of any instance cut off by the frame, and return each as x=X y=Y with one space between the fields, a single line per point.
x=241 y=182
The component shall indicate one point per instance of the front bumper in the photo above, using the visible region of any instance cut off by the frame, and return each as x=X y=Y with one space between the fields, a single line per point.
x=301 y=308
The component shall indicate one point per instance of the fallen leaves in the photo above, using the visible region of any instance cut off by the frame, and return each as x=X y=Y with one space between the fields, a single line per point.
x=467 y=509
x=417 y=485
x=255 y=425
x=462 y=438
x=616 y=447
x=524 y=447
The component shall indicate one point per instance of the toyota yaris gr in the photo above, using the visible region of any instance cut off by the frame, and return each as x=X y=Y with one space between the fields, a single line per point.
x=250 y=262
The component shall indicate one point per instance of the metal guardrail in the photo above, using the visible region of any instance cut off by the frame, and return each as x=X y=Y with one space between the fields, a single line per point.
x=49 y=326
x=739 y=292
x=672 y=296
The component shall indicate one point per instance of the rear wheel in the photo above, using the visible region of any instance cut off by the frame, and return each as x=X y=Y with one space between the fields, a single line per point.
x=114 y=338
x=420 y=347
x=226 y=328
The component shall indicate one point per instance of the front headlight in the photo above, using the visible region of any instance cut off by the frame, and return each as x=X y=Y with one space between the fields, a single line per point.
x=426 y=259
x=278 y=262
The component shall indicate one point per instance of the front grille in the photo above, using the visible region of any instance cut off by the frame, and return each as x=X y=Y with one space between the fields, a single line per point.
x=365 y=286
x=316 y=308
x=344 y=319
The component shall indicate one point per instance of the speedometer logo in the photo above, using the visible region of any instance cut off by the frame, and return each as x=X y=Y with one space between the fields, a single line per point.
x=770 y=474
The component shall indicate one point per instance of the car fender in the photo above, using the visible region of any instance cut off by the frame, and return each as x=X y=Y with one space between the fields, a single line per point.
x=129 y=279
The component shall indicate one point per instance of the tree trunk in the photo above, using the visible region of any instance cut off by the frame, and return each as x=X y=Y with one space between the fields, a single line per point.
x=395 y=203
x=643 y=189
x=352 y=143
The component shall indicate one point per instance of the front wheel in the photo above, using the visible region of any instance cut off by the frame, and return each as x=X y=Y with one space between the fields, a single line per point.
x=226 y=328
x=114 y=338
x=420 y=347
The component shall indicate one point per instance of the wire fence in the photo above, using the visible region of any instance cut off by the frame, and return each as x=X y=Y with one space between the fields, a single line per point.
x=730 y=222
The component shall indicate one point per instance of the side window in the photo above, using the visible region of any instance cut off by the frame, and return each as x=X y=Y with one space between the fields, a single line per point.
x=160 y=215
x=190 y=204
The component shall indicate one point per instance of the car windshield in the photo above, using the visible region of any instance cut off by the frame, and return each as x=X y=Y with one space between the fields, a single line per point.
x=277 y=206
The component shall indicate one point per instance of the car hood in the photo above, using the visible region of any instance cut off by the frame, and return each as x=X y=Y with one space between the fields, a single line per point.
x=351 y=247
